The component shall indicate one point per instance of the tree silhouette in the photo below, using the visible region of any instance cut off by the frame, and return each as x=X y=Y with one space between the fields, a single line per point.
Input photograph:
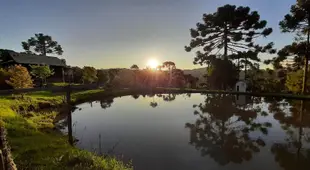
x=298 y=20
x=135 y=96
x=42 y=44
x=135 y=70
x=191 y=80
x=106 y=103
x=231 y=32
x=222 y=130
x=297 y=50
x=170 y=66
x=168 y=97
x=134 y=67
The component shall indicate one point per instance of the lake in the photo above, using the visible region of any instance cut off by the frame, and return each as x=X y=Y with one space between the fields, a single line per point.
x=196 y=131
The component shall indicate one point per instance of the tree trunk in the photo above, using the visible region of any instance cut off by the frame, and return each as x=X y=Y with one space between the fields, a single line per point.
x=245 y=67
x=170 y=76
x=304 y=84
x=225 y=41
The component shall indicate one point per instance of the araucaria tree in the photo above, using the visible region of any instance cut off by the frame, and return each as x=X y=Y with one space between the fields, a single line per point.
x=229 y=34
x=19 y=77
x=42 y=45
x=298 y=21
x=229 y=31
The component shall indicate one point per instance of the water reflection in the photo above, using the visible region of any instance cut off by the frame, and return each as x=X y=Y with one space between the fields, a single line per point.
x=222 y=129
x=219 y=130
x=135 y=96
x=106 y=103
x=294 y=153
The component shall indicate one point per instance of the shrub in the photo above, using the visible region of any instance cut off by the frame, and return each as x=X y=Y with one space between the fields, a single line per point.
x=19 y=77
x=4 y=76
x=41 y=72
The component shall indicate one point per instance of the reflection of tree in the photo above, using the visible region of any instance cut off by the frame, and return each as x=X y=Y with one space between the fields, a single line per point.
x=153 y=103
x=222 y=130
x=169 y=97
x=106 y=103
x=293 y=154
x=135 y=96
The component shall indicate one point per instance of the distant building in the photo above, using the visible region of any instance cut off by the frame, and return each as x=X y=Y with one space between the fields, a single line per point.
x=241 y=85
x=9 y=58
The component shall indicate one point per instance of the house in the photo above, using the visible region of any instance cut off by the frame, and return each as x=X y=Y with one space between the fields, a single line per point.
x=9 y=58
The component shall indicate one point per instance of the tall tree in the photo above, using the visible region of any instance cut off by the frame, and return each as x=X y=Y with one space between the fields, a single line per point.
x=135 y=70
x=170 y=66
x=42 y=44
x=298 y=21
x=89 y=74
x=230 y=32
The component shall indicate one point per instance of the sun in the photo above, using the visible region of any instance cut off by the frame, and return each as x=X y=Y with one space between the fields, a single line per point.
x=153 y=63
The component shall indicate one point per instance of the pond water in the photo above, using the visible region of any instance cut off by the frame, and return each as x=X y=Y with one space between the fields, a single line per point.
x=196 y=131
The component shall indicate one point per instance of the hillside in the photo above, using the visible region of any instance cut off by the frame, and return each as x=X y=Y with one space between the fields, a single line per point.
x=198 y=72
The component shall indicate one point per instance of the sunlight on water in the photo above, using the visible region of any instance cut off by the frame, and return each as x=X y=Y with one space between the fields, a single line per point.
x=194 y=131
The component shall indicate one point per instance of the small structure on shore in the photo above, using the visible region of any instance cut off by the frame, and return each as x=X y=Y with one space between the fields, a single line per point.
x=241 y=85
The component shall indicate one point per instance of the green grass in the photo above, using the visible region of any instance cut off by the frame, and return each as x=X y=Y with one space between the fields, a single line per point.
x=61 y=84
x=34 y=142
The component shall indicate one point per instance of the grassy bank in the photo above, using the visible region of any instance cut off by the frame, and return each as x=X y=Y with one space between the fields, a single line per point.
x=35 y=144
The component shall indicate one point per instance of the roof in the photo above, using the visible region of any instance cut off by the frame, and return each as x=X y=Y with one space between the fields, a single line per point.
x=23 y=58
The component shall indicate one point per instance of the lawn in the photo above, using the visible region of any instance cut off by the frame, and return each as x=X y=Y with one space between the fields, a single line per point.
x=35 y=143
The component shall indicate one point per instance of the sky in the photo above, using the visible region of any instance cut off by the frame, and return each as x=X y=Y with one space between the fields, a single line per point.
x=119 y=33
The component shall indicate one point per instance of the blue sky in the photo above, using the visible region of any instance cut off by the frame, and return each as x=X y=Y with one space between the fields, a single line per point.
x=119 y=33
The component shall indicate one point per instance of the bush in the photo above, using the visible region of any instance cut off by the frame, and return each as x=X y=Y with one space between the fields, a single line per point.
x=4 y=76
x=19 y=77
x=41 y=72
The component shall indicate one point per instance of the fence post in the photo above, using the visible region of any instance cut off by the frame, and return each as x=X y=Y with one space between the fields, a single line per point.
x=68 y=94
x=2 y=167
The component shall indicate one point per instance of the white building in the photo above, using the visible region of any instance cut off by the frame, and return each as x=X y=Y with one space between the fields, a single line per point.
x=241 y=85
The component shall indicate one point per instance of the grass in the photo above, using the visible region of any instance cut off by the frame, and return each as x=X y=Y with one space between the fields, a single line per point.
x=34 y=142
x=61 y=84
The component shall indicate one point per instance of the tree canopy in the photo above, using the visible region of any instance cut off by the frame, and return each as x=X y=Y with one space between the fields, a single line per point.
x=19 y=77
x=41 y=72
x=42 y=44
x=298 y=21
x=89 y=74
x=229 y=33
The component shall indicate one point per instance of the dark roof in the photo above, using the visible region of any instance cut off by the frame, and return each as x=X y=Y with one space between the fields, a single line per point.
x=23 y=58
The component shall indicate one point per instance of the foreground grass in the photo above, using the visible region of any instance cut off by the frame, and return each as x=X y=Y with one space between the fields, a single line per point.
x=34 y=142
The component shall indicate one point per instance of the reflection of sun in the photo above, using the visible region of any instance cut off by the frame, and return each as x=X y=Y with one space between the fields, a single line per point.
x=153 y=63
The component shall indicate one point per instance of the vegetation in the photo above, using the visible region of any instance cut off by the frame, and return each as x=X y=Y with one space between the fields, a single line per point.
x=228 y=34
x=19 y=77
x=35 y=145
x=41 y=72
x=42 y=44
x=4 y=77
x=89 y=74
